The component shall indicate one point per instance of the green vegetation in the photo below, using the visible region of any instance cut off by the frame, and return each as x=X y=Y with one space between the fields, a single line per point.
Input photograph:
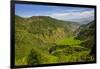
x=68 y=41
x=44 y=40
x=87 y=35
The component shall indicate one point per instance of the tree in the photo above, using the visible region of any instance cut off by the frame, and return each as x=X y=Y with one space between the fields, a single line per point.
x=33 y=57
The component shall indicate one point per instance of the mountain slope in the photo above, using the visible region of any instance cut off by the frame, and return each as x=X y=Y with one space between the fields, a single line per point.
x=44 y=25
x=87 y=35
x=87 y=32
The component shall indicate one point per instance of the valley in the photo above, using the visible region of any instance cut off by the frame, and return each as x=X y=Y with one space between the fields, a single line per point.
x=45 y=40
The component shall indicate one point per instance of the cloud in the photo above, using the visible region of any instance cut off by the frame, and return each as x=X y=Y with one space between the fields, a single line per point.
x=82 y=16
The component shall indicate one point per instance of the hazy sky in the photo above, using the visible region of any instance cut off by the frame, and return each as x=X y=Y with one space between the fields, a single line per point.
x=77 y=14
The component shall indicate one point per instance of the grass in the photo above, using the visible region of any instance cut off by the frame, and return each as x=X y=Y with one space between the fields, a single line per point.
x=68 y=41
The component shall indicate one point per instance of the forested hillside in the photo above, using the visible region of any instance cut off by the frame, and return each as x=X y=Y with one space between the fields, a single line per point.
x=87 y=35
